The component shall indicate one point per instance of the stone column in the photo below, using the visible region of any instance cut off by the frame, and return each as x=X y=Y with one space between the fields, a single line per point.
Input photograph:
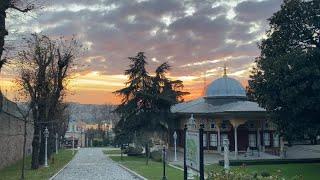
x=262 y=129
x=235 y=142
x=258 y=141
x=282 y=154
x=218 y=126
x=236 y=123
x=219 y=140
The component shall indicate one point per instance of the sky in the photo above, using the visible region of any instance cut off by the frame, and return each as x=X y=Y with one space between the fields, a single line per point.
x=197 y=37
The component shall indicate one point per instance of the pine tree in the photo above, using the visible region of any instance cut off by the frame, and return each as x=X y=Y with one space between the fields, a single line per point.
x=146 y=101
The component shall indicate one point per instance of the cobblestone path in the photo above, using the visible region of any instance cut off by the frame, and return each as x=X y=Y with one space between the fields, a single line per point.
x=92 y=164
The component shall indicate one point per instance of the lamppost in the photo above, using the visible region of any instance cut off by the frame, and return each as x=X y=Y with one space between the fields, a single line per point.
x=61 y=142
x=175 y=145
x=46 y=135
x=73 y=127
x=57 y=143
x=82 y=131
x=164 y=177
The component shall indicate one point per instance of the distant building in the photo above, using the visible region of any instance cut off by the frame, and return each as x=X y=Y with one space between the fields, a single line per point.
x=227 y=114
x=76 y=131
x=79 y=130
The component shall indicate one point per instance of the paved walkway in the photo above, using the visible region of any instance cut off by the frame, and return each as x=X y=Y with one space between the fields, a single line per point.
x=303 y=151
x=91 y=163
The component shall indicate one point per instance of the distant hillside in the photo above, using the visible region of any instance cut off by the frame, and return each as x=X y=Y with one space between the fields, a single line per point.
x=91 y=113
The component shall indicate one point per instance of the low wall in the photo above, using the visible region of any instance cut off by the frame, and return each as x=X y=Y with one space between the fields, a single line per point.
x=11 y=134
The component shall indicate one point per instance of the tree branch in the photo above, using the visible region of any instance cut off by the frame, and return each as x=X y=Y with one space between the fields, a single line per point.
x=29 y=8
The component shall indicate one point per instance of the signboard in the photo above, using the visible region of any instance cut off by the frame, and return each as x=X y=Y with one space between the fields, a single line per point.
x=193 y=150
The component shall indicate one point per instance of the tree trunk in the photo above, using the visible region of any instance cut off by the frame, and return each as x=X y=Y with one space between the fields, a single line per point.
x=24 y=148
x=121 y=152
x=4 y=5
x=35 y=148
x=147 y=153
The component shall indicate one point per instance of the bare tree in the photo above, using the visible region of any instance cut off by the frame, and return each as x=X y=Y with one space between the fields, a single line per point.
x=19 y=5
x=22 y=6
x=25 y=114
x=44 y=68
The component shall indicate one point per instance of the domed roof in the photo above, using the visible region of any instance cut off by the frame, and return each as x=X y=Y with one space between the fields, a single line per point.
x=225 y=87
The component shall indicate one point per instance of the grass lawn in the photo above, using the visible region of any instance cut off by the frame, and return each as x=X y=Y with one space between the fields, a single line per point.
x=13 y=172
x=113 y=151
x=308 y=171
x=153 y=171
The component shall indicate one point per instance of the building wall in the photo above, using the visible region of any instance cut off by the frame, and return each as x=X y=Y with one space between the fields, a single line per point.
x=250 y=127
x=11 y=135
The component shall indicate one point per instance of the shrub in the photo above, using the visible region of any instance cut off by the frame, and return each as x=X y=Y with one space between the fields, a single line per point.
x=265 y=174
x=156 y=155
x=133 y=151
x=97 y=143
x=242 y=174
x=269 y=161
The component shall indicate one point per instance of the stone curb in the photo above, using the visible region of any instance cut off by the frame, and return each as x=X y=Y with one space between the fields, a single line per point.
x=179 y=168
x=132 y=172
x=52 y=177
x=176 y=167
x=129 y=170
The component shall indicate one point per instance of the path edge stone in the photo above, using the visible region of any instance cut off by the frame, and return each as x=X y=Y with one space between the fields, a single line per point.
x=52 y=177
x=176 y=167
x=127 y=169
x=132 y=172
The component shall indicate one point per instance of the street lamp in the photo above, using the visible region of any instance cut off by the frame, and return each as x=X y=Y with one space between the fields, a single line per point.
x=57 y=136
x=175 y=145
x=73 y=127
x=164 y=177
x=46 y=135
x=81 y=137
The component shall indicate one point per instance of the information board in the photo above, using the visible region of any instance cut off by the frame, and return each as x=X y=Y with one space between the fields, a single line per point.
x=193 y=150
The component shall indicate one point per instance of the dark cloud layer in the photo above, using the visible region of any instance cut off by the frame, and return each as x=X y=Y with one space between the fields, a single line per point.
x=181 y=32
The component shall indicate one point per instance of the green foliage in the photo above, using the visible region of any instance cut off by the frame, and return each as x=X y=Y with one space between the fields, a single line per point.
x=133 y=151
x=288 y=171
x=242 y=173
x=112 y=151
x=286 y=80
x=270 y=161
x=13 y=172
x=156 y=155
x=152 y=171
x=265 y=174
x=146 y=100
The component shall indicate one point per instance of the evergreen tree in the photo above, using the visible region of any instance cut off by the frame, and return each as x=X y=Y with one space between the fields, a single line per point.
x=146 y=101
x=286 y=80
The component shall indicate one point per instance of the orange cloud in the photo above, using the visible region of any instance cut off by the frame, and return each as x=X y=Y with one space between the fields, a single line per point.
x=96 y=88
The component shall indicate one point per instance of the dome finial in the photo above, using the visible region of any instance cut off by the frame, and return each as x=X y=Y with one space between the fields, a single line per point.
x=225 y=70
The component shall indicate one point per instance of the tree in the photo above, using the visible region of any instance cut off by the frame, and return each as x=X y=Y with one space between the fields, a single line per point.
x=43 y=70
x=24 y=116
x=19 y=5
x=285 y=80
x=146 y=101
x=109 y=115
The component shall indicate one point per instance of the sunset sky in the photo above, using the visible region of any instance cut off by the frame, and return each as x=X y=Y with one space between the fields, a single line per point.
x=196 y=37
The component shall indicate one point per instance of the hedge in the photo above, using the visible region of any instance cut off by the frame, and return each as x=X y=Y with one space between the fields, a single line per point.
x=270 y=161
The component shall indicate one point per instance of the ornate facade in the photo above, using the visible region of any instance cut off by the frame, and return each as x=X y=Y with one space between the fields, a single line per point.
x=226 y=113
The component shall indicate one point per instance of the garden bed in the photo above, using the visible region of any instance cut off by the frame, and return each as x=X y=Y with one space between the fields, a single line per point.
x=269 y=161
